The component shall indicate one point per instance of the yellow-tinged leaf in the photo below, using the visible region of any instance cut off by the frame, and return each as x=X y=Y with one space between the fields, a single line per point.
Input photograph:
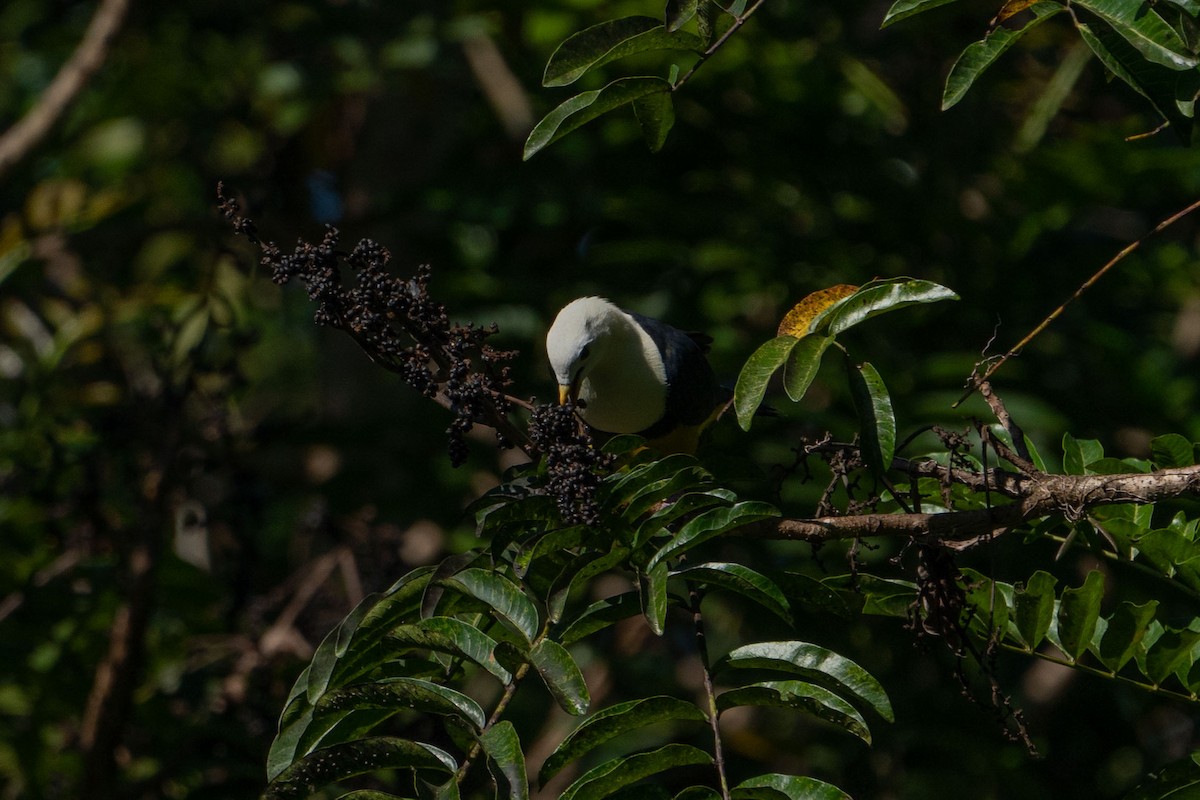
x=1010 y=9
x=798 y=322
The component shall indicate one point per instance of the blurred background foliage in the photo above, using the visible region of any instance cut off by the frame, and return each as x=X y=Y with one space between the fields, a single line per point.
x=196 y=482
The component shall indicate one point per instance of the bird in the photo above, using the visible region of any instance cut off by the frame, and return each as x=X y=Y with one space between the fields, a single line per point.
x=628 y=373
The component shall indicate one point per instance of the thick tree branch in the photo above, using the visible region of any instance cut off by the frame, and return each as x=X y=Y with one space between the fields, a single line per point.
x=17 y=141
x=1043 y=495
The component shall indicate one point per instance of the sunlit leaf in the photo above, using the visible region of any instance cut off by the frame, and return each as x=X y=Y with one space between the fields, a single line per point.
x=601 y=781
x=902 y=9
x=652 y=585
x=1171 y=92
x=1078 y=453
x=804 y=317
x=980 y=55
x=814 y=663
x=786 y=787
x=879 y=297
x=502 y=595
x=355 y=758
x=450 y=635
x=710 y=524
x=742 y=580
x=752 y=381
x=609 y=41
x=877 y=422
x=799 y=696
x=561 y=675
x=1142 y=27
x=583 y=108
x=617 y=720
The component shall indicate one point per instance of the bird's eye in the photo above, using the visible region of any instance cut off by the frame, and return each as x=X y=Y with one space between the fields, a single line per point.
x=586 y=351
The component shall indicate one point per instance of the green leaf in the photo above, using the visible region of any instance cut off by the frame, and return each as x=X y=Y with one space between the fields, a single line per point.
x=1169 y=653
x=628 y=486
x=698 y=793
x=586 y=566
x=343 y=761
x=800 y=696
x=1171 y=450
x=1172 y=93
x=450 y=635
x=902 y=9
x=754 y=586
x=656 y=115
x=876 y=420
x=815 y=663
x=710 y=524
x=879 y=297
x=1165 y=548
x=1179 y=780
x=583 y=108
x=1033 y=608
x=1142 y=27
x=652 y=586
x=679 y=12
x=608 y=41
x=601 y=781
x=786 y=787
x=600 y=615
x=752 y=381
x=561 y=675
x=503 y=748
x=668 y=491
x=1124 y=633
x=502 y=595
x=617 y=720
x=1077 y=614
x=1078 y=453
x=802 y=365
x=400 y=693
x=980 y=55
x=686 y=505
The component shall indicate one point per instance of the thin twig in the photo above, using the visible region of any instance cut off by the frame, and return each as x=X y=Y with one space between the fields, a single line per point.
x=976 y=381
x=21 y=138
x=738 y=22
x=710 y=696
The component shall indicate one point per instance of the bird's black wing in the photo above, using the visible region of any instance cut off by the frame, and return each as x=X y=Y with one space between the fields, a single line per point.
x=692 y=389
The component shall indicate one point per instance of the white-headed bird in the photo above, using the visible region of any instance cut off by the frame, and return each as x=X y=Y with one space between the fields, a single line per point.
x=631 y=374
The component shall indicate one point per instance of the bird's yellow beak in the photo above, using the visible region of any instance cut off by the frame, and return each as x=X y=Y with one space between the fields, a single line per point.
x=565 y=394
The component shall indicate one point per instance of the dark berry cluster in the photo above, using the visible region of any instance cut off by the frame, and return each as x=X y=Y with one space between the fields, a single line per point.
x=398 y=325
x=574 y=466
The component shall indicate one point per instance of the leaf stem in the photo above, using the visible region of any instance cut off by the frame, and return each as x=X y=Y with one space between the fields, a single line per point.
x=1154 y=688
x=695 y=597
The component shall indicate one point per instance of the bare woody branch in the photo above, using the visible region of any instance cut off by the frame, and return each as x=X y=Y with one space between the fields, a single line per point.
x=1072 y=496
x=21 y=138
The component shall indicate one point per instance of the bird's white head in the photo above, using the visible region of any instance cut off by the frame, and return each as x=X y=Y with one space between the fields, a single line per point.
x=579 y=336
